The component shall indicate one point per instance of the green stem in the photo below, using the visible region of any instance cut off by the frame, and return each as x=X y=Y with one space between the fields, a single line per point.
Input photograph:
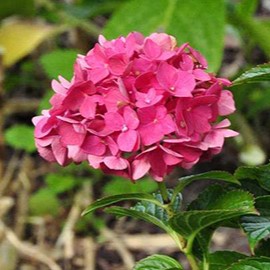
x=163 y=192
x=191 y=258
x=192 y=261
x=205 y=264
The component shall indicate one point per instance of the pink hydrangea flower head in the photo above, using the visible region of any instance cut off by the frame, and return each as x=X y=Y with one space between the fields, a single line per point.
x=136 y=105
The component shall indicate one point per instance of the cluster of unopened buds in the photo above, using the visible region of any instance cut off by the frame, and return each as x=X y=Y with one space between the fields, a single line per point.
x=136 y=105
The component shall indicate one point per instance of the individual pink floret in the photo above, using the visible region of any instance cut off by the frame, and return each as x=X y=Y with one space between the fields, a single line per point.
x=136 y=105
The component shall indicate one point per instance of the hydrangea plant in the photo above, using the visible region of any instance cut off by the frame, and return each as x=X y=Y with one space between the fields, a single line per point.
x=136 y=105
x=143 y=105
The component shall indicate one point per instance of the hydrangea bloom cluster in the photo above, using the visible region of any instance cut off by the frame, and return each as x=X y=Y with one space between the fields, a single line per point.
x=136 y=105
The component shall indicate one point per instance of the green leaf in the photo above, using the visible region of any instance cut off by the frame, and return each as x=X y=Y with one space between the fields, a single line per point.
x=120 y=211
x=118 y=198
x=247 y=7
x=162 y=213
x=261 y=263
x=59 y=62
x=90 y=9
x=212 y=175
x=215 y=197
x=190 y=223
x=201 y=243
x=235 y=199
x=253 y=187
x=259 y=173
x=210 y=194
x=21 y=137
x=258 y=227
x=189 y=21
x=219 y=260
x=257 y=74
x=44 y=202
x=230 y=205
x=152 y=213
x=262 y=204
x=158 y=262
x=119 y=185
x=59 y=183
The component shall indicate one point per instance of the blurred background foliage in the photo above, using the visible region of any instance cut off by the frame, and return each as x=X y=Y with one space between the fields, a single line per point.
x=40 y=39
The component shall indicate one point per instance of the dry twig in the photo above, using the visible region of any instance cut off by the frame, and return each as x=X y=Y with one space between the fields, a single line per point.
x=149 y=242
x=66 y=237
x=5 y=204
x=2 y=144
x=28 y=250
x=9 y=172
x=120 y=246
x=23 y=190
x=89 y=253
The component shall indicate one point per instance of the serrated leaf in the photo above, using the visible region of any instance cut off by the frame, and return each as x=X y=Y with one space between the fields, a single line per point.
x=262 y=204
x=235 y=199
x=59 y=62
x=216 y=197
x=212 y=175
x=59 y=183
x=253 y=187
x=219 y=260
x=258 y=227
x=158 y=262
x=101 y=203
x=259 y=173
x=191 y=223
x=44 y=202
x=230 y=205
x=119 y=185
x=189 y=21
x=206 y=197
x=257 y=74
x=261 y=263
x=21 y=137
x=19 y=38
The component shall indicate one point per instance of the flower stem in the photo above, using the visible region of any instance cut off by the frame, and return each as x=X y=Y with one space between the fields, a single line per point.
x=163 y=192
